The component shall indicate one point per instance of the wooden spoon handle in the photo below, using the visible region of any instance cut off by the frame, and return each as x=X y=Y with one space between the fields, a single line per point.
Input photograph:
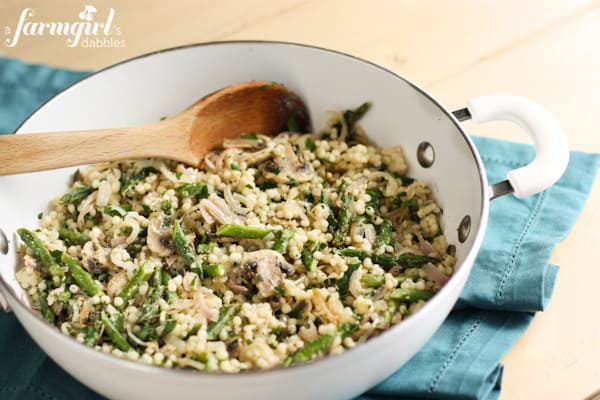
x=41 y=151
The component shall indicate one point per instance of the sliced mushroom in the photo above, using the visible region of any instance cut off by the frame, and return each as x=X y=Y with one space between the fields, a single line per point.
x=267 y=269
x=96 y=258
x=160 y=236
x=241 y=143
x=287 y=168
x=258 y=156
x=215 y=208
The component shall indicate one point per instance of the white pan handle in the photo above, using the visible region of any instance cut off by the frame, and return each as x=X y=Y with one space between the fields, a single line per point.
x=551 y=147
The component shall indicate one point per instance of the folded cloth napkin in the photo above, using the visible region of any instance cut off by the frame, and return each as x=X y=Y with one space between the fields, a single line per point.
x=510 y=281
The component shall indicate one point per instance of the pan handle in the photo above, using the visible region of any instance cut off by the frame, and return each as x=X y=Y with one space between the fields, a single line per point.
x=551 y=147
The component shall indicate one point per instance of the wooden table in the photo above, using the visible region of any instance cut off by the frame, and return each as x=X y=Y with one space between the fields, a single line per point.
x=548 y=50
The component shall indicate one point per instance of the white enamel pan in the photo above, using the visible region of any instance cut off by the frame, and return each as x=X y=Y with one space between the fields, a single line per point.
x=438 y=150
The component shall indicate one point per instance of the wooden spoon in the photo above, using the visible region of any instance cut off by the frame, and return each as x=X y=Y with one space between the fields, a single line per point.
x=261 y=107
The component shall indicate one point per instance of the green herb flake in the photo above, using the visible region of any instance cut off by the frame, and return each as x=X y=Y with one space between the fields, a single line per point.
x=165 y=206
x=250 y=136
x=198 y=190
x=292 y=125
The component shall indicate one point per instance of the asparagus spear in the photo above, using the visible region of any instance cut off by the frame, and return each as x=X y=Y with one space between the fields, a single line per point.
x=410 y=260
x=92 y=333
x=306 y=353
x=114 y=335
x=283 y=239
x=128 y=181
x=392 y=307
x=75 y=196
x=40 y=252
x=227 y=313
x=242 y=231
x=384 y=234
x=132 y=287
x=320 y=344
x=411 y=295
x=45 y=309
x=73 y=238
x=344 y=281
x=183 y=245
x=372 y=281
x=309 y=261
x=407 y=260
x=344 y=222
x=81 y=277
x=214 y=270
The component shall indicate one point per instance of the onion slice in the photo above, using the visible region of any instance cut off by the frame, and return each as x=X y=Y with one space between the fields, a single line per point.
x=435 y=275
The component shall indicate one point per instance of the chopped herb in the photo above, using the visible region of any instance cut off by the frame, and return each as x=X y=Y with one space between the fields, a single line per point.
x=129 y=181
x=308 y=259
x=347 y=329
x=40 y=215
x=264 y=87
x=279 y=290
x=310 y=144
x=146 y=211
x=165 y=206
x=251 y=136
x=283 y=238
x=292 y=124
x=199 y=190
x=235 y=166
x=178 y=175
x=406 y=180
x=298 y=310
x=412 y=204
x=268 y=184
x=117 y=211
x=272 y=168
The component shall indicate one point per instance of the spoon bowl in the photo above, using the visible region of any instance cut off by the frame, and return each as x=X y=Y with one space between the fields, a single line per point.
x=255 y=106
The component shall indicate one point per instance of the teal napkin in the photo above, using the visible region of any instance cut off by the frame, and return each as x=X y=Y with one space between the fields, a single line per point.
x=510 y=281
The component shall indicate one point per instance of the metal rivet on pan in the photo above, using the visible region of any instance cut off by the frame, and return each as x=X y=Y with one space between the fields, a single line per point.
x=3 y=243
x=464 y=228
x=425 y=154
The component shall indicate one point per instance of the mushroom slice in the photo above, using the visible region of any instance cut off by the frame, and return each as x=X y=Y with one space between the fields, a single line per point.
x=241 y=143
x=258 y=156
x=215 y=208
x=267 y=269
x=96 y=259
x=160 y=236
x=287 y=168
